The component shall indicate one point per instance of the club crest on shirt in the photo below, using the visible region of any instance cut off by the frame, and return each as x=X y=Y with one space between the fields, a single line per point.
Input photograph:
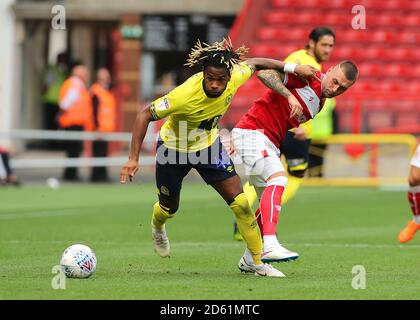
x=228 y=100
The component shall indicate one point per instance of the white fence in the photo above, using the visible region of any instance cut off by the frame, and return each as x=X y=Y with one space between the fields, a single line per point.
x=74 y=162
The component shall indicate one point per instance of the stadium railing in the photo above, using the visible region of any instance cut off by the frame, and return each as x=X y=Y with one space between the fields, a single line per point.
x=81 y=161
x=361 y=149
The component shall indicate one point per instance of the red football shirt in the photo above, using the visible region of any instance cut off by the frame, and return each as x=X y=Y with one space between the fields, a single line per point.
x=271 y=113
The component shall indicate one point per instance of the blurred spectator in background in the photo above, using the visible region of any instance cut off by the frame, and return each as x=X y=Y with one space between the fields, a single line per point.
x=323 y=125
x=75 y=113
x=104 y=119
x=54 y=78
x=7 y=177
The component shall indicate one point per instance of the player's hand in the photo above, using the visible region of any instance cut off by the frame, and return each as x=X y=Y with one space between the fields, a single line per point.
x=296 y=108
x=129 y=170
x=226 y=140
x=300 y=134
x=306 y=71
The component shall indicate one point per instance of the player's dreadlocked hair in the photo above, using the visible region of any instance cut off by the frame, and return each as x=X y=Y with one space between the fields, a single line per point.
x=219 y=54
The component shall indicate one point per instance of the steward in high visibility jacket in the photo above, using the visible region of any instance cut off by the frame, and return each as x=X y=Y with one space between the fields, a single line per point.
x=104 y=108
x=75 y=104
x=75 y=114
x=104 y=119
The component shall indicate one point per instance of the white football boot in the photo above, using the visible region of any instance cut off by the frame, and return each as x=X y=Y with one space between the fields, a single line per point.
x=246 y=265
x=277 y=253
x=267 y=270
x=160 y=241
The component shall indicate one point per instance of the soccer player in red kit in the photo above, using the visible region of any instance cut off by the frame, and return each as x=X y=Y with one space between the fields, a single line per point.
x=413 y=197
x=256 y=138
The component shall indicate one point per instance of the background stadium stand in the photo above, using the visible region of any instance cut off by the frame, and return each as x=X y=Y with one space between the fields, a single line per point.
x=387 y=52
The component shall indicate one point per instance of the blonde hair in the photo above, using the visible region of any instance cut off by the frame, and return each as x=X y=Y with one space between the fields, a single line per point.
x=218 y=54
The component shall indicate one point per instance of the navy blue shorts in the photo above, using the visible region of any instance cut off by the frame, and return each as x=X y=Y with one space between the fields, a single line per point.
x=213 y=164
x=296 y=153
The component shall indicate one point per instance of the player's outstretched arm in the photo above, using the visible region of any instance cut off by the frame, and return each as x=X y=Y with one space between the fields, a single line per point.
x=274 y=80
x=264 y=63
x=304 y=71
x=139 y=131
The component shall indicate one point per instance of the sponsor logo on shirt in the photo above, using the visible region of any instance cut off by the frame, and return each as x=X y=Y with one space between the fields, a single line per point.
x=163 y=105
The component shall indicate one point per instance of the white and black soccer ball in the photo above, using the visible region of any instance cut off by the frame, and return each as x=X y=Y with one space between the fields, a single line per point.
x=78 y=261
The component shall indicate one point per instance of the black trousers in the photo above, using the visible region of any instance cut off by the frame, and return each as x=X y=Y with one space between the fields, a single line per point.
x=5 y=158
x=316 y=160
x=50 y=113
x=100 y=174
x=73 y=150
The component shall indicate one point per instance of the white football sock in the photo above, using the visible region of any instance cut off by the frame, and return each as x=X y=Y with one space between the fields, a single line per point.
x=270 y=241
x=248 y=256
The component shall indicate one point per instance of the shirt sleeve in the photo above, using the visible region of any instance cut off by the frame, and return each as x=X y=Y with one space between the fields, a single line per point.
x=241 y=73
x=169 y=104
x=293 y=58
x=307 y=126
x=294 y=81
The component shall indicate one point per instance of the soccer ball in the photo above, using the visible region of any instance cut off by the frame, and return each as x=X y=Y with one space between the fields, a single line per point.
x=78 y=261
x=53 y=183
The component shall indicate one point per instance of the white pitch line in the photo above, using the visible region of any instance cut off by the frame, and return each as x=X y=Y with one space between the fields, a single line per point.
x=356 y=245
x=322 y=245
x=39 y=214
x=52 y=242
x=232 y=244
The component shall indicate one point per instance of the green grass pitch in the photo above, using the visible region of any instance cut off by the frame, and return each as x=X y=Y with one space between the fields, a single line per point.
x=333 y=230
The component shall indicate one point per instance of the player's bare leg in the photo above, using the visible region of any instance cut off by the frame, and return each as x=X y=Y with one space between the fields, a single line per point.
x=413 y=197
x=231 y=191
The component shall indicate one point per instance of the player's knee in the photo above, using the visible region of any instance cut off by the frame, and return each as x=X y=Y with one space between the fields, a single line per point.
x=414 y=178
x=173 y=209
x=169 y=208
x=241 y=202
x=277 y=181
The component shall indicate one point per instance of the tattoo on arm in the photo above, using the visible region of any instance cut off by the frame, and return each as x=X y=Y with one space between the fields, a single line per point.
x=274 y=81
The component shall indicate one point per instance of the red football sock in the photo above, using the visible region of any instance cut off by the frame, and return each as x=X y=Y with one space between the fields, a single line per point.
x=270 y=205
x=258 y=216
x=413 y=196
